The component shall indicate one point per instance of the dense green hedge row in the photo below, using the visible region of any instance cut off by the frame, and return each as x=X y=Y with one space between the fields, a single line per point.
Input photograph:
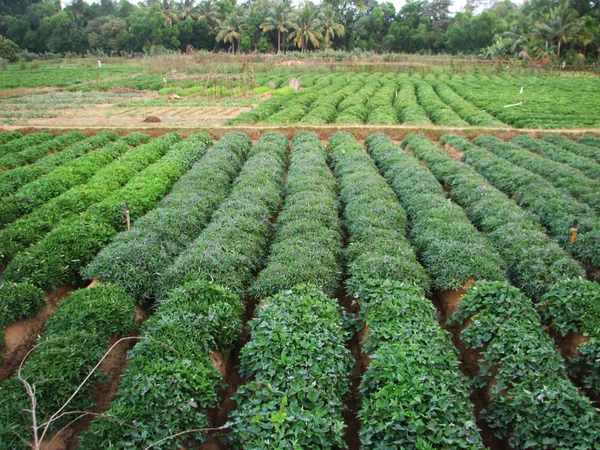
x=16 y=178
x=295 y=109
x=560 y=175
x=438 y=111
x=533 y=261
x=407 y=106
x=380 y=105
x=58 y=258
x=574 y=147
x=532 y=402
x=573 y=306
x=18 y=301
x=34 y=226
x=261 y=112
x=23 y=143
x=74 y=340
x=233 y=246
x=135 y=258
x=170 y=384
x=451 y=249
x=552 y=207
x=465 y=109
x=555 y=153
x=374 y=218
x=297 y=367
x=419 y=373
x=33 y=153
x=7 y=136
x=308 y=240
x=590 y=141
x=60 y=180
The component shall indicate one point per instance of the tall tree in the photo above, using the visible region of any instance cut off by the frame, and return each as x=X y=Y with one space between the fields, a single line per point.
x=278 y=18
x=208 y=11
x=306 y=28
x=331 y=26
x=187 y=9
x=561 y=25
x=230 y=30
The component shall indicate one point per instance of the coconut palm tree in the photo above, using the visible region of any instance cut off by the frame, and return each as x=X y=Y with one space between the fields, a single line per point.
x=278 y=18
x=560 y=25
x=306 y=28
x=210 y=13
x=187 y=9
x=168 y=10
x=331 y=27
x=230 y=30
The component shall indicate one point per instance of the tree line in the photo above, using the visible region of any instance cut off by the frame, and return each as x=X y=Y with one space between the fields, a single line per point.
x=567 y=29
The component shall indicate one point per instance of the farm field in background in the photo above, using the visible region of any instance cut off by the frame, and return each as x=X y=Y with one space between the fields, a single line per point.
x=291 y=292
x=217 y=252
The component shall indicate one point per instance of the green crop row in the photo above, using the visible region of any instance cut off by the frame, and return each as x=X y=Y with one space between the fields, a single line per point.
x=135 y=258
x=557 y=154
x=74 y=340
x=438 y=111
x=58 y=181
x=170 y=384
x=535 y=264
x=533 y=260
x=58 y=258
x=590 y=141
x=325 y=108
x=407 y=106
x=295 y=109
x=297 y=367
x=7 y=136
x=560 y=175
x=451 y=249
x=261 y=112
x=380 y=105
x=16 y=178
x=532 y=402
x=31 y=228
x=420 y=373
x=232 y=247
x=18 y=301
x=552 y=207
x=35 y=152
x=465 y=109
x=308 y=239
x=574 y=147
x=375 y=220
x=352 y=109
x=23 y=143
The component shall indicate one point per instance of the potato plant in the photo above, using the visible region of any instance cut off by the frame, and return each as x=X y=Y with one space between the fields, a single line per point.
x=74 y=340
x=523 y=373
x=308 y=240
x=23 y=143
x=296 y=366
x=14 y=179
x=35 y=152
x=59 y=257
x=7 y=136
x=232 y=248
x=450 y=248
x=34 y=226
x=135 y=258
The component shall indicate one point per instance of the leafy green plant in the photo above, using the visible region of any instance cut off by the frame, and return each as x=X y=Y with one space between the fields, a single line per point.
x=74 y=340
x=135 y=257
x=574 y=147
x=438 y=111
x=7 y=136
x=23 y=143
x=590 y=141
x=523 y=372
x=33 y=153
x=297 y=368
x=308 y=241
x=407 y=106
x=18 y=301
x=232 y=248
x=171 y=382
x=450 y=248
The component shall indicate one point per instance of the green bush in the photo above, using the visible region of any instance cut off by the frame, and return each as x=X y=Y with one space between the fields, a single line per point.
x=74 y=340
x=7 y=136
x=171 y=384
x=8 y=49
x=28 y=140
x=438 y=111
x=574 y=147
x=523 y=372
x=32 y=154
x=407 y=106
x=18 y=301
x=296 y=366
x=590 y=141
x=135 y=259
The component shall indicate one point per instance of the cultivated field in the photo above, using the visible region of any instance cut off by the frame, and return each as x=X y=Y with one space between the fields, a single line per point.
x=431 y=284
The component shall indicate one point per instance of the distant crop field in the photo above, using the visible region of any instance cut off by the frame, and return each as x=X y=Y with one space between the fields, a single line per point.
x=423 y=293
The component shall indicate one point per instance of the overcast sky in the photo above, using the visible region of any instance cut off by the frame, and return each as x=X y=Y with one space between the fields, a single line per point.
x=458 y=5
